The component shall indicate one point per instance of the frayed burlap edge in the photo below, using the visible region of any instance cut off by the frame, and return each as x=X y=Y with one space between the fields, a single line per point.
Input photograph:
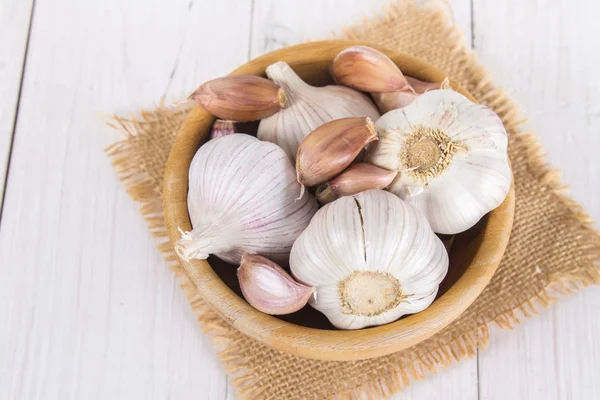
x=143 y=189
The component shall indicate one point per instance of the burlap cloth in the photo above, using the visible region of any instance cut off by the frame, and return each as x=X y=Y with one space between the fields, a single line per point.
x=553 y=248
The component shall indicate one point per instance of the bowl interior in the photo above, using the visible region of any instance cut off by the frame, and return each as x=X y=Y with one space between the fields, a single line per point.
x=474 y=255
x=464 y=247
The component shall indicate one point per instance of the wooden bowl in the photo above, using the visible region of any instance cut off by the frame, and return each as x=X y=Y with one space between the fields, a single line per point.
x=474 y=258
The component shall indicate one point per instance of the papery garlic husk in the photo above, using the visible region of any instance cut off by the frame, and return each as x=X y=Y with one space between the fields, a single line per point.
x=242 y=199
x=369 y=70
x=356 y=178
x=240 y=97
x=330 y=148
x=307 y=108
x=451 y=158
x=371 y=259
x=222 y=128
x=268 y=288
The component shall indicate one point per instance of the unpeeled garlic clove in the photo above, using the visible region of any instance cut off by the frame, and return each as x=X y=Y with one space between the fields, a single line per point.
x=392 y=100
x=355 y=179
x=222 y=128
x=421 y=86
x=369 y=70
x=268 y=288
x=330 y=148
x=240 y=98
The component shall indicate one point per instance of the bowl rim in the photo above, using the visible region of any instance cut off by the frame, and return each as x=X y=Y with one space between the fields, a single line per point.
x=339 y=345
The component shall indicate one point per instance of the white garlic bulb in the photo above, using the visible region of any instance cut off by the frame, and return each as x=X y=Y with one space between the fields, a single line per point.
x=370 y=258
x=307 y=108
x=451 y=158
x=242 y=199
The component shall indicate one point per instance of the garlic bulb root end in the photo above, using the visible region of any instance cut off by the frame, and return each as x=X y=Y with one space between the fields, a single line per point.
x=369 y=293
x=428 y=152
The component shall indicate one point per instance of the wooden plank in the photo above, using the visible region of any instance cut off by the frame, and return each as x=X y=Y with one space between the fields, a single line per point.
x=276 y=25
x=279 y=24
x=88 y=308
x=542 y=52
x=15 y=16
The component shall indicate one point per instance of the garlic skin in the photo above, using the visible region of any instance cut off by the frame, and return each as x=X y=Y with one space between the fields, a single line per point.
x=356 y=178
x=307 y=108
x=330 y=148
x=242 y=199
x=369 y=70
x=421 y=87
x=371 y=258
x=387 y=101
x=451 y=158
x=268 y=288
x=240 y=97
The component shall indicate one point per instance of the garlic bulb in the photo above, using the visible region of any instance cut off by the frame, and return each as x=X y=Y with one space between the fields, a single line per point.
x=307 y=108
x=371 y=258
x=451 y=158
x=268 y=288
x=241 y=198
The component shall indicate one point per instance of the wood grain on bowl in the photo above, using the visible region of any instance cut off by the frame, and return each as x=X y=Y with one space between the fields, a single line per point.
x=475 y=254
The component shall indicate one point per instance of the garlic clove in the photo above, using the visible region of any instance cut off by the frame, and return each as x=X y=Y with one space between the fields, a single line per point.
x=356 y=178
x=369 y=70
x=222 y=128
x=451 y=158
x=268 y=288
x=421 y=86
x=329 y=149
x=371 y=258
x=307 y=108
x=241 y=199
x=393 y=100
x=240 y=98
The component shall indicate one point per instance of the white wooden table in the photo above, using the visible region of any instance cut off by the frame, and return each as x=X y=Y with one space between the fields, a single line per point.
x=88 y=309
